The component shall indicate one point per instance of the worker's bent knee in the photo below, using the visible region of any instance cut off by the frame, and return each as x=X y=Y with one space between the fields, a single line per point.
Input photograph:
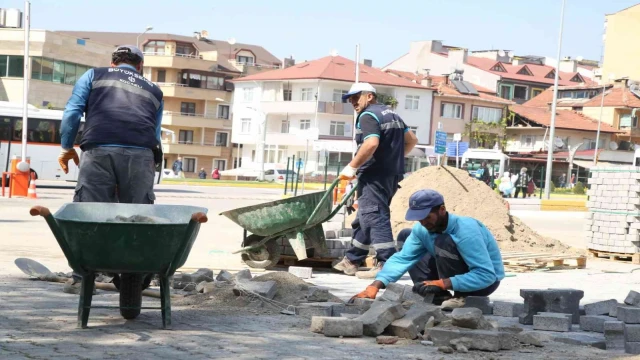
x=402 y=236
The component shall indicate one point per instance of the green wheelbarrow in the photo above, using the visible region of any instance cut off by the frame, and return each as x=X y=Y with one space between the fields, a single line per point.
x=93 y=241
x=298 y=219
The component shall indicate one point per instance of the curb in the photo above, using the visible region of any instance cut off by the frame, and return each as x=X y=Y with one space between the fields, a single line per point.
x=563 y=205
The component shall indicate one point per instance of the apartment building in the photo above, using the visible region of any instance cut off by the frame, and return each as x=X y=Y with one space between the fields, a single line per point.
x=304 y=115
x=194 y=74
x=515 y=78
x=620 y=53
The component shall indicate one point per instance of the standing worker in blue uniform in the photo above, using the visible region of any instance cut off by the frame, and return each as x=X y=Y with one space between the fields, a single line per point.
x=383 y=141
x=121 y=137
x=442 y=252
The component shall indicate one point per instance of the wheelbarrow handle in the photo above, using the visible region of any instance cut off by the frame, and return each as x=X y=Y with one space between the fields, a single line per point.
x=199 y=217
x=324 y=199
x=39 y=211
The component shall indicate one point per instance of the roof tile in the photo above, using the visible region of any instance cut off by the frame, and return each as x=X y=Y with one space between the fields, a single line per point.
x=565 y=119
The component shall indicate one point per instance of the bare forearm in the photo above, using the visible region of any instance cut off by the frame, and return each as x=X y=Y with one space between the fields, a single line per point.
x=364 y=154
x=410 y=141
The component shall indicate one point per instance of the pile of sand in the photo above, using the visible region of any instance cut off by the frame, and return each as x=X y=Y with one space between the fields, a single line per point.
x=466 y=196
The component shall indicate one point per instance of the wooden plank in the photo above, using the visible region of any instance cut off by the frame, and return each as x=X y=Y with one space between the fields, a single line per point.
x=533 y=255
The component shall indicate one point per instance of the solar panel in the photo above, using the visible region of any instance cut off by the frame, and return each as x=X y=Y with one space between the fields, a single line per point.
x=464 y=87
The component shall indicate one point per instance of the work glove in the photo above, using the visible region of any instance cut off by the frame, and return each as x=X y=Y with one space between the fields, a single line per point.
x=429 y=287
x=65 y=156
x=369 y=293
x=348 y=173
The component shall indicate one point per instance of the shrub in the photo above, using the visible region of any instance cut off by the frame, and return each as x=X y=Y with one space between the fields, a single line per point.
x=579 y=188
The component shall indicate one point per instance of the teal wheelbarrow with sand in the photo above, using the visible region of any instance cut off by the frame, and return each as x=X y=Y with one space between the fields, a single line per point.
x=131 y=240
x=298 y=219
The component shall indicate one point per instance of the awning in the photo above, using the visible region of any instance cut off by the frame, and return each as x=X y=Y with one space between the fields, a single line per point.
x=589 y=164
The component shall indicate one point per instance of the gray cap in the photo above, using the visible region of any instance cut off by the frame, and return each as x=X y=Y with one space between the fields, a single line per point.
x=129 y=49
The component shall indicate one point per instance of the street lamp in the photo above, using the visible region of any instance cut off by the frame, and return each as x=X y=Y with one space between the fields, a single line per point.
x=149 y=28
x=552 y=132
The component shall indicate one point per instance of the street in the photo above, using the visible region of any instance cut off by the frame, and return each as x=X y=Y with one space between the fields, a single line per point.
x=38 y=320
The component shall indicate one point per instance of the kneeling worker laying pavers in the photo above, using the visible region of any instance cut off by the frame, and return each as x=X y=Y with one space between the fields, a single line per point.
x=442 y=252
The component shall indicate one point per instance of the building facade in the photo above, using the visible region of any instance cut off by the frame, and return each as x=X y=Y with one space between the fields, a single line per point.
x=619 y=53
x=302 y=110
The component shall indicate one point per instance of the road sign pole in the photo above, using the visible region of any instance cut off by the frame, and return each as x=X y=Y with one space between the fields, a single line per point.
x=457 y=154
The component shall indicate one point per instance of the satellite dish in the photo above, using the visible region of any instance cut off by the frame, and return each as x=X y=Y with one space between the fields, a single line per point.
x=333 y=52
x=558 y=142
x=231 y=41
x=510 y=53
x=579 y=58
x=501 y=53
x=204 y=34
x=613 y=145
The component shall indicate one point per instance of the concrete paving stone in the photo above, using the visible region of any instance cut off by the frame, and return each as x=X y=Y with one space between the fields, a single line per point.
x=595 y=340
x=466 y=317
x=380 y=315
x=551 y=300
x=349 y=316
x=633 y=298
x=202 y=274
x=593 y=323
x=330 y=234
x=600 y=307
x=350 y=309
x=386 y=340
x=614 y=310
x=479 y=339
x=532 y=338
x=413 y=322
x=632 y=348
x=224 y=275
x=309 y=310
x=614 y=335
x=244 y=274
x=631 y=333
x=629 y=314
x=317 y=324
x=363 y=304
x=301 y=272
x=551 y=322
x=338 y=326
x=480 y=302
x=318 y=294
x=265 y=289
x=392 y=292
x=507 y=309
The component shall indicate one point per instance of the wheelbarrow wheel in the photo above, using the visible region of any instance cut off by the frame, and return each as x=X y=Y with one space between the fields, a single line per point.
x=266 y=256
x=130 y=295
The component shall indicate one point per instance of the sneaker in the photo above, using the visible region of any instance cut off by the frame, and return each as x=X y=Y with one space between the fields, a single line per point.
x=371 y=273
x=441 y=297
x=346 y=266
x=73 y=287
x=453 y=303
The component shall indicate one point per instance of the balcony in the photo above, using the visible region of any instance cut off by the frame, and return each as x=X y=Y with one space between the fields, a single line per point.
x=178 y=61
x=251 y=68
x=333 y=107
x=193 y=120
x=288 y=107
x=183 y=91
x=191 y=149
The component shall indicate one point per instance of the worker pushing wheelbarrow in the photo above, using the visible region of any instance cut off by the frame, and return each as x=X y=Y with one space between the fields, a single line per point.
x=127 y=239
x=298 y=219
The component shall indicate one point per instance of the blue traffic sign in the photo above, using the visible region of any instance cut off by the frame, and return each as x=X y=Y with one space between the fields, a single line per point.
x=441 y=142
x=463 y=146
x=299 y=164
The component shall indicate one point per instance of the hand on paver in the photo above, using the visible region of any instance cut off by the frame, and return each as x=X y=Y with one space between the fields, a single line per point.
x=430 y=287
x=65 y=156
x=369 y=293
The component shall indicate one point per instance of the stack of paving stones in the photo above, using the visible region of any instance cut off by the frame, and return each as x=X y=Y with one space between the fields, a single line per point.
x=338 y=242
x=628 y=325
x=613 y=220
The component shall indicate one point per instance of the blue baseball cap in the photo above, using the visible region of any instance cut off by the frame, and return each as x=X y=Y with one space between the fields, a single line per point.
x=129 y=49
x=421 y=203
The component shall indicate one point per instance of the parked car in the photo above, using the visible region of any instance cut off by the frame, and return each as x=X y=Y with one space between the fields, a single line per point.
x=168 y=174
x=278 y=175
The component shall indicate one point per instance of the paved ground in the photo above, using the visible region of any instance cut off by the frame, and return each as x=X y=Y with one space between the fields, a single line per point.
x=37 y=320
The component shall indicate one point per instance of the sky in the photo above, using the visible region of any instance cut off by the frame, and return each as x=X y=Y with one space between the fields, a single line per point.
x=312 y=29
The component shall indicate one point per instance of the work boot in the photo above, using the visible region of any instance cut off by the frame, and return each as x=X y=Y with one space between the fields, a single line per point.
x=73 y=286
x=346 y=266
x=371 y=273
x=453 y=303
x=441 y=297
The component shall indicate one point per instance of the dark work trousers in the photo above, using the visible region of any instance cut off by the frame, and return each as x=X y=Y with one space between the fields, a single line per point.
x=372 y=226
x=446 y=264
x=524 y=192
x=112 y=174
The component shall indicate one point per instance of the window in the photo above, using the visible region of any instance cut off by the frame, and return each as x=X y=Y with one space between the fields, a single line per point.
x=590 y=144
x=527 y=141
x=185 y=49
x=627 y=122
x=498 y=67
x=248 y=95
x=36 y=67
x=577 y=78
x=220 y=164
x=451 y=111
x=185 y=137
x=189 y=165
x=223 y=111
x=69 y=74
x=58 y=72
x=487 y=114
x=305 y=124
x=46 y=73
x=336 y=128
x=16 y=66
x=551 y=75
x=411 y=102
x=284 y=128
x=275 y=154
x=520 y=92
x=506 y=92
x=306 y=94
x=525 y=71
x=162 y=76
x=215 y=83
x=337 y=95
x=4 y=61
x=286 y=94
x=188 y=108
x=245 y=126
x=536 y=92
x=43 y=131
x=222 y=139
x=80 y=70
x=155 y=47
x=244 y=60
